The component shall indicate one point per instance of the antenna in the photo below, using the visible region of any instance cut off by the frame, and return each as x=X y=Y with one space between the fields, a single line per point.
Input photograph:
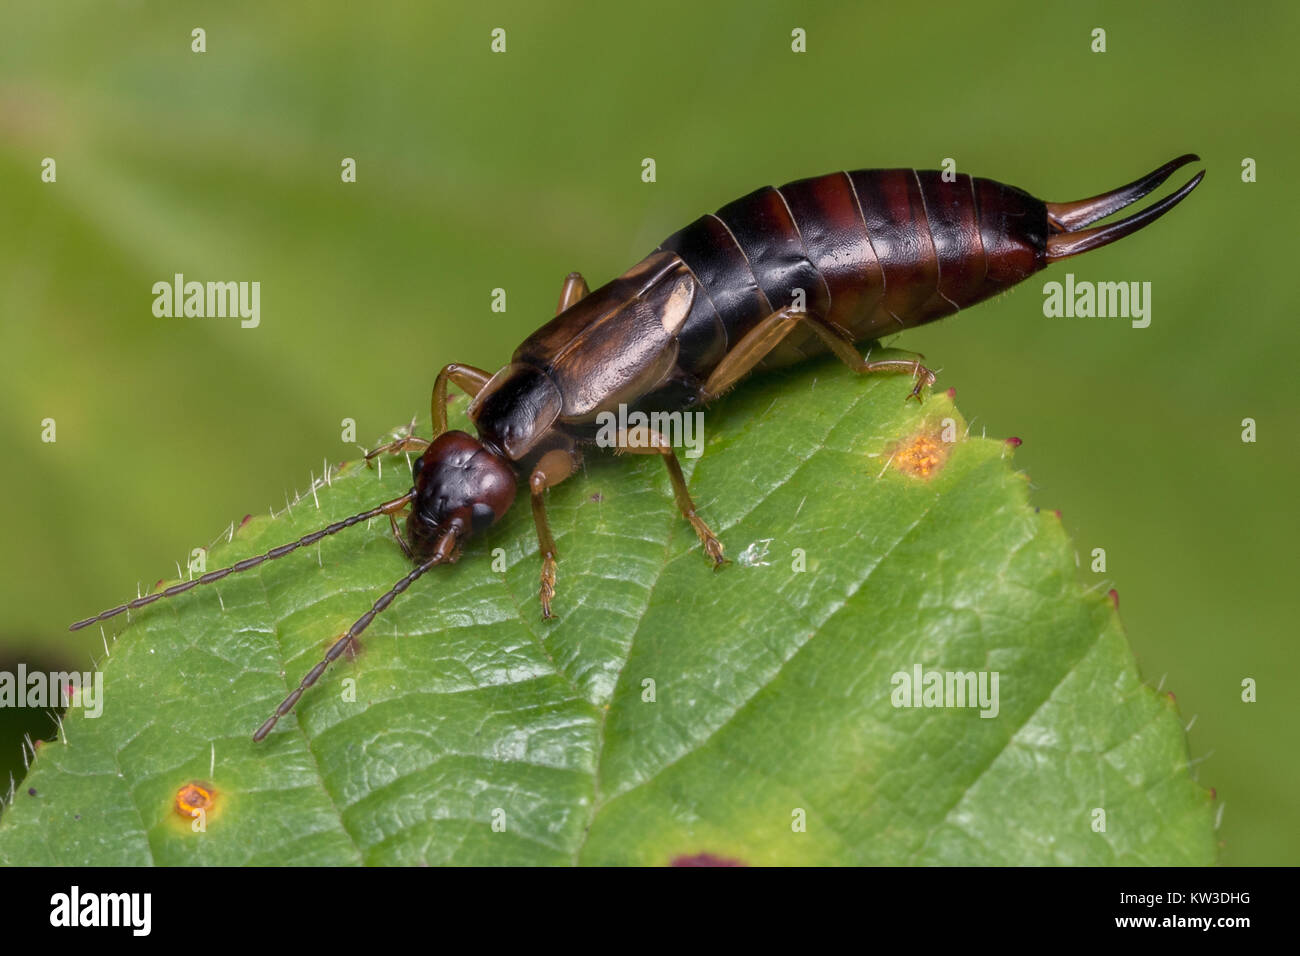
x=444 y=551
x=388 y=508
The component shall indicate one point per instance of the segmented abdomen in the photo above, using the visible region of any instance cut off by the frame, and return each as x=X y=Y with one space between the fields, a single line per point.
x=874 y=251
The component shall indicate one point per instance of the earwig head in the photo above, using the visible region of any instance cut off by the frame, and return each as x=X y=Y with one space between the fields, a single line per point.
x=460 y=487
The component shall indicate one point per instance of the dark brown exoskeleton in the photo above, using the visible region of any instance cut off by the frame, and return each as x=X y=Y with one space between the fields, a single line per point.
x=770 y=279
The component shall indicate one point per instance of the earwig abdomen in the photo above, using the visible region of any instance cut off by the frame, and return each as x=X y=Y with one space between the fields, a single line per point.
x=874 y=251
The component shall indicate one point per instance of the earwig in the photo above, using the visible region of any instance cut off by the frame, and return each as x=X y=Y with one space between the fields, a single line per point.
x=819 y=265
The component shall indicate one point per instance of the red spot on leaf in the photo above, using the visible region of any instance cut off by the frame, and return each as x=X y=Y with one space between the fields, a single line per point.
x=704 y=859
x=350 y=652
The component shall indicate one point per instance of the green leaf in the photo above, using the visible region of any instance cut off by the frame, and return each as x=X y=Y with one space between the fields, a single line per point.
x=481 y=734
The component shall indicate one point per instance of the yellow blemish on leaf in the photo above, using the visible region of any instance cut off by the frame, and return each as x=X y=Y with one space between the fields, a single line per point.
x=922 y=455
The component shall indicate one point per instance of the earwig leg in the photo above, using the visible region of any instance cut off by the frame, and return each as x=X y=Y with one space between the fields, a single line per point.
x=552 y=469
x=848 y=354
x=922 y=374
x=572 y=292
x=406 y=548
x=646 y=441
x=767 y=335
x=397 y=447
x=466 y=377
x=750 y=350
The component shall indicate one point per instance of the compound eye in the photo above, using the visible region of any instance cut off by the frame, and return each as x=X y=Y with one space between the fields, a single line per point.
x=482 y=516
x=416 y=467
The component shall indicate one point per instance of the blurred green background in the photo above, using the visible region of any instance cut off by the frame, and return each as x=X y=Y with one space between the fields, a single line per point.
x=479 y=170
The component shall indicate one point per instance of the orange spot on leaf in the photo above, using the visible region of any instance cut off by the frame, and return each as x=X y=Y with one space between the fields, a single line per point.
x=922 y=455
x=195 y=796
